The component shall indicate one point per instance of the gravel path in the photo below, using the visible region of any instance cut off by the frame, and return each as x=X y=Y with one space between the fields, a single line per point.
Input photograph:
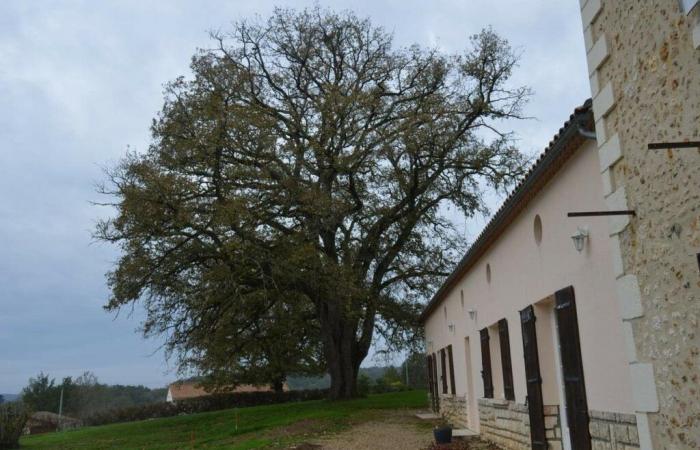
x=390 y=431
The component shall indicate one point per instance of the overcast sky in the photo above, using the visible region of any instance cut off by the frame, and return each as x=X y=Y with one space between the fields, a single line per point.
x=80 y=82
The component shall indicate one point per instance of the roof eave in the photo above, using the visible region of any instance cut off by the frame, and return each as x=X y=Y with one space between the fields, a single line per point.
x=569 y=138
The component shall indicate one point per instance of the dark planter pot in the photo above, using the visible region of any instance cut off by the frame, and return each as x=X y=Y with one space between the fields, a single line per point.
x=443 y=435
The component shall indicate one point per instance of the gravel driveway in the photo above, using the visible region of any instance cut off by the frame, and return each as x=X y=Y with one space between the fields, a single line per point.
x=389 y=431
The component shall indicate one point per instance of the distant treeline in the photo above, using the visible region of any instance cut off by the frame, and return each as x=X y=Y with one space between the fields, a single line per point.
x=85 y=395
x=324 y=382
x=373 y=376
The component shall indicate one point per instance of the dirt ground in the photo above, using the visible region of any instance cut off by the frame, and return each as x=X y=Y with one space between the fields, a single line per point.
x=388 y=431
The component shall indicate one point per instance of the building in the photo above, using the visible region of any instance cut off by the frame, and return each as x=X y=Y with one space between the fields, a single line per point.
x=191 y=389
x=644 y=67
x=537 y=345
x=48 y=422
x=524 y=338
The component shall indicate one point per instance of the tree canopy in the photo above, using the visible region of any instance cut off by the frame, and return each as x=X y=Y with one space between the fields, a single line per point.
x=294 y=192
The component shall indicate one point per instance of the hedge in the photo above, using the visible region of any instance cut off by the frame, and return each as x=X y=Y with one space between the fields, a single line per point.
x=13 y=417
x=214 y=402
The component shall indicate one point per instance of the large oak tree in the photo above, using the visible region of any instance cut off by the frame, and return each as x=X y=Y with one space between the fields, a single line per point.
x=295 y=191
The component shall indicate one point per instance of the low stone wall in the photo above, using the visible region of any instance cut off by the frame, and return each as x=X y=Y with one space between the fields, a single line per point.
x=611 y=431
x=507 y=424
x=454 y=409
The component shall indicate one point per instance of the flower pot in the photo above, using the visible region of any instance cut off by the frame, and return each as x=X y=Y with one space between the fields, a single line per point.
x=443 y=435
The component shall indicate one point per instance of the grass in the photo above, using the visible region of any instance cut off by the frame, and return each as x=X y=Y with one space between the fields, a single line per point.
x=258 y=426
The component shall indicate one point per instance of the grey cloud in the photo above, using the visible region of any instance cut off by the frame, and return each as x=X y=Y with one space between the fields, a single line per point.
x=81 y=80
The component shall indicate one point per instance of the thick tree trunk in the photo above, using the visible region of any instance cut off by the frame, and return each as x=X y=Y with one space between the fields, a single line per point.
x=278 y=385
x=343 y=352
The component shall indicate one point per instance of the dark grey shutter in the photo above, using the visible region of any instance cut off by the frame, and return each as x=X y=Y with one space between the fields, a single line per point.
x=572 y=368
x=435 y=383
x=533 y=379
x=486 y=363
x=506 y=364
x=430 y=381
x=443 y=366
x=452 y=370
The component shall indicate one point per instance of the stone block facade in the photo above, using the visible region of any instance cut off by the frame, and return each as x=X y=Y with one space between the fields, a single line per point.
x=611 y=431
x=507 y=424
x=644 y=67
x=453 y=408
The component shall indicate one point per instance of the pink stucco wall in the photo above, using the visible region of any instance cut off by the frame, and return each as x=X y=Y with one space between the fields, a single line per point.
x=525 y=273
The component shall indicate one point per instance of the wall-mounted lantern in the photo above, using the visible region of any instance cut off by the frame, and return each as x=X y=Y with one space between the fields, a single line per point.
x=472 y=314
x=579 y=239
x=451 y=327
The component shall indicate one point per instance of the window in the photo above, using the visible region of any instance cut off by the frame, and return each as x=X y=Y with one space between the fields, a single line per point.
x=537 y=229
x=488 y=273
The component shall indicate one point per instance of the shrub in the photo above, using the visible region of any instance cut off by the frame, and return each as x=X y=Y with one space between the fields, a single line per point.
x=13 y=417
x=363 y=385
x=213 y=402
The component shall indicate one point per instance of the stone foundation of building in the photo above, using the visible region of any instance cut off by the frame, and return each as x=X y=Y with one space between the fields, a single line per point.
x=453 y=408
x=507 y=424
x=611 y=431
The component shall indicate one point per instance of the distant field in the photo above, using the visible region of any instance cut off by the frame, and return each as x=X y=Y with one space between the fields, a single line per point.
x=258 y=427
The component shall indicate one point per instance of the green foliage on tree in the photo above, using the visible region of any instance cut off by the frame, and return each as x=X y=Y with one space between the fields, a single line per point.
x=41 y=394
x=391 y=375
x=264 y=352
x=298 y=179
x=417 y=370
x=364 y=384
x=13 y=417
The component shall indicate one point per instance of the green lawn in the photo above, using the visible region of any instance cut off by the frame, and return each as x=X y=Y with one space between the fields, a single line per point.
x=258 y=427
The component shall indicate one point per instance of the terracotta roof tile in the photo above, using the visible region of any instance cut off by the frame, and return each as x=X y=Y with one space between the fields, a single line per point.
x=185 y=390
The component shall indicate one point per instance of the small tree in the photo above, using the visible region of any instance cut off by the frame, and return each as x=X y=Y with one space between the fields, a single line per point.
x=364 y=384
x=417 y=370
x=41 y=394
x=391 y=375
x=13 y=418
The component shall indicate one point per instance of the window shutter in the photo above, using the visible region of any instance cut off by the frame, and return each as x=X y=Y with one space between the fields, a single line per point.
x=535 y=406
x=443 y=374
x=572 y=368
x=452 y=370
x=435 y=383
x=429 y=360
x=486 y=363
x=506 y=364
